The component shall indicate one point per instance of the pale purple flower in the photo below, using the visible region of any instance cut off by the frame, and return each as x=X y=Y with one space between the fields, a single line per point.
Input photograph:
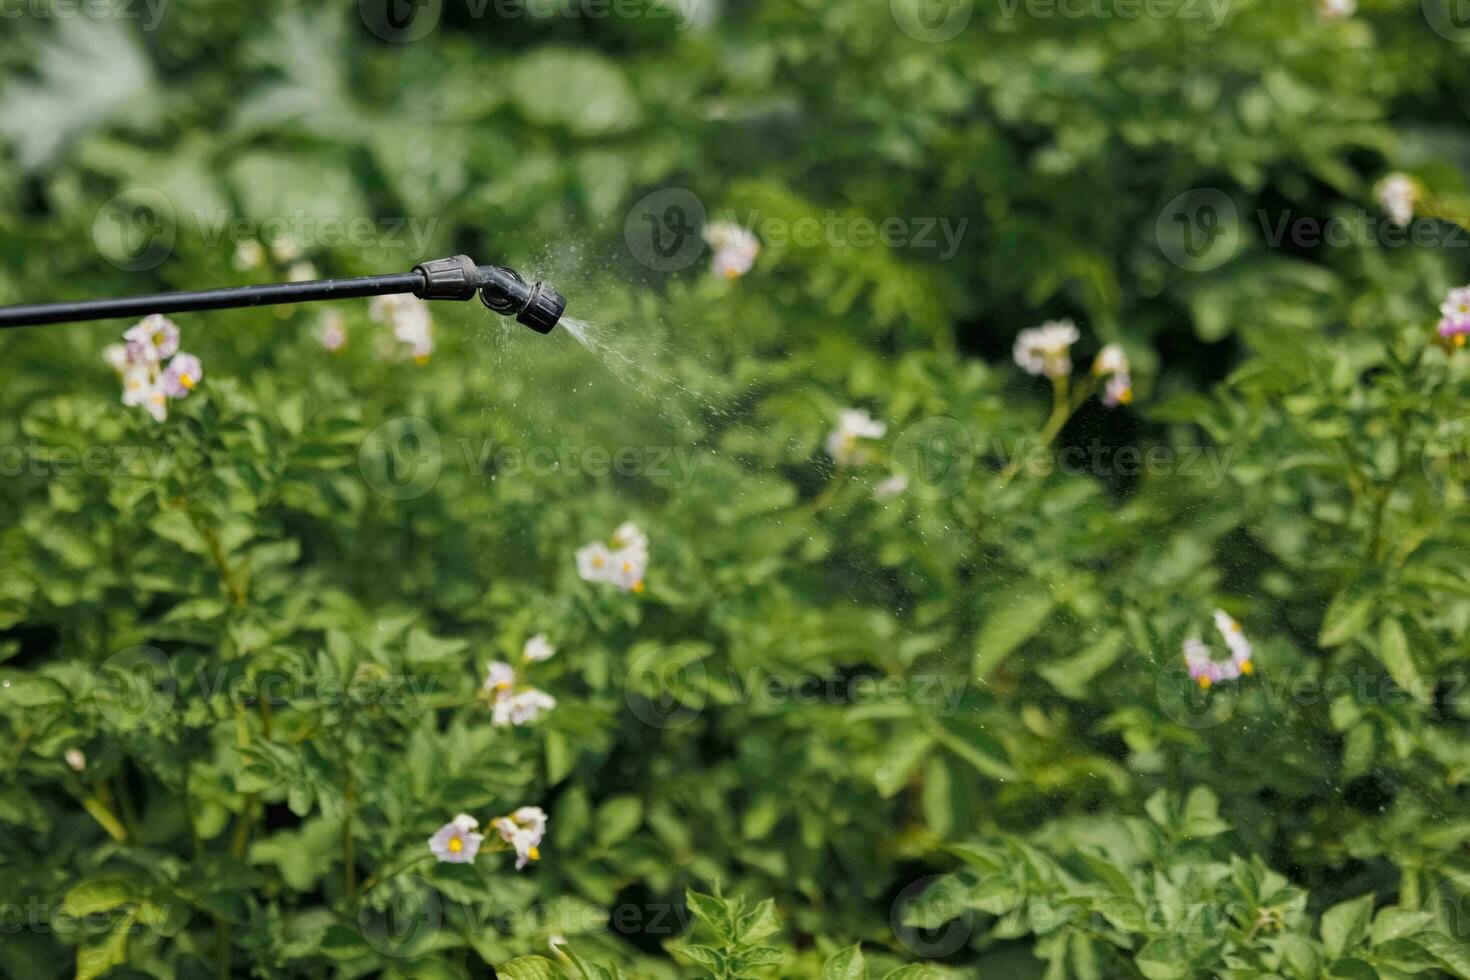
x=1202 y=665
x=154 y=338
x=735 y=249
x=623 y=564
x=410 y=319
x=302 y=272
x=523 y=830
x=1118 y=390
x=842 y=442
x=520 y=707
x=141 y=386
x=1110 y=360
x=1240 y=647
x=1047 y=349
x=182 y=376
x=456 y=842
x=332 y=331
x=891 y=486
x=1398 y=195
x=594 y=561
x=499 y=678
x=249 y=254
x=116 y=356
x=538 y=648
x=1454 y=313
x=511 y=703
x=285 y=250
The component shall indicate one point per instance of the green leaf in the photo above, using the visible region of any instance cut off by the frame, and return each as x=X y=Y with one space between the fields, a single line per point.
x=705 y=956
x=529 y=968
x=341 y=943
x=617 y=819
x=1451 y=955
x=100 y=895
x=758 y=923
x=713 y=912
x=899 y=759
x=914 y=971
x=847 y=964
x=589 y=971
x=1393 y=651
x=1070 y=676
x=1164 y=959
x=1019 y=616
x=1202 y=814
x=32 y=691
x=575 y=89
x=971 y=742
x=96 y=957
x=1345 y=924
x=1395 y=923
x=1346 y=618
x=754 y=958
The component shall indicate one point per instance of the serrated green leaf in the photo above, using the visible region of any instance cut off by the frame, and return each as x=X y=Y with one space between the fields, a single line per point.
x=529 y=968
x=846 y=964
x=1346 y=924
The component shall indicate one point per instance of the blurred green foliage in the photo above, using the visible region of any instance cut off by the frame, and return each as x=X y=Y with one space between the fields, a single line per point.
x=945 y=733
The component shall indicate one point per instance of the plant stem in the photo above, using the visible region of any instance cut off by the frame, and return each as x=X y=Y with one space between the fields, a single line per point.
x=349 y=857
x=1062 y=407
x=104 y=815
x=232 y=584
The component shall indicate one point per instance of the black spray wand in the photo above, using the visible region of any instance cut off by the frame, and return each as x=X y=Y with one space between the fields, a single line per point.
x=502 y=290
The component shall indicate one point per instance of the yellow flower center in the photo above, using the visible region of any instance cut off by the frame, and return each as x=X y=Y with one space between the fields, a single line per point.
x=455 y=845
x=187 y=381
x=1205 y=681
x=1246 y=667
x=1125 y=397
x=421 y=359
x=597 y=561
x=534 y=853
x=638 y=586
x=1459 y=340
x=158 y=339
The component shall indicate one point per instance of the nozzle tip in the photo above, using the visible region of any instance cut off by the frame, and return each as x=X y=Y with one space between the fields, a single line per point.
x=543 y=309
x=504 y=291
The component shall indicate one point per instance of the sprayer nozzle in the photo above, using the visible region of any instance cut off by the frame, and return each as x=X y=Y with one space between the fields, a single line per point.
x=504 y=291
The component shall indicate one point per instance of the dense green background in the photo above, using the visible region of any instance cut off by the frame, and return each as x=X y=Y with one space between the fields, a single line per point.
x=1075 y=810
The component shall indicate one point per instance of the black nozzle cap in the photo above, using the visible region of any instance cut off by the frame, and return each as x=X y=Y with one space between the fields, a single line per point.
x=543 y=309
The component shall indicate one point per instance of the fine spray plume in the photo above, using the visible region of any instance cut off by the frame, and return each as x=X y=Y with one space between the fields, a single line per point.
x=502 y=290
